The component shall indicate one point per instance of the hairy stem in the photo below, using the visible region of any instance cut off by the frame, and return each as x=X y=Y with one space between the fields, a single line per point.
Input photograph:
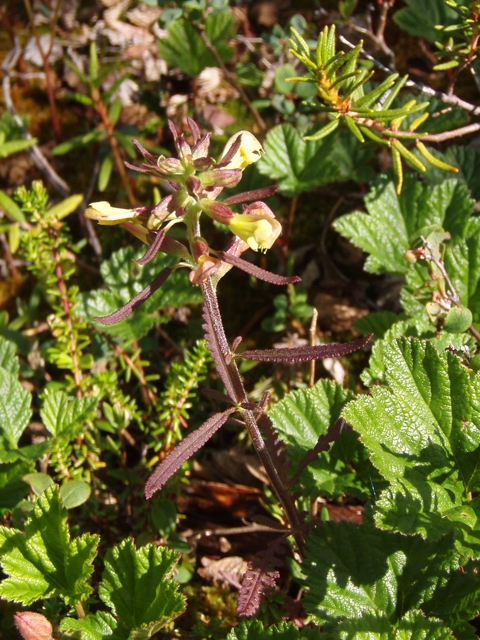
x=235 y=385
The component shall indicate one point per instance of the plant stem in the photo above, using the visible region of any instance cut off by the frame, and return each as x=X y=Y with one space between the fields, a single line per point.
x=101 y=109
x=232 y=80
x=46 y=63
x=235 y=384
x=66 y=304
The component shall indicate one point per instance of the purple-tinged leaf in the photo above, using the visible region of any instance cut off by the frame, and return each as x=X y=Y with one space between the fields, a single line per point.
x=228 y=157
x=250 y=196
x=257 y=272
x=324 y=443
x=145 y=169
x=255 y=586
x=305 y=354
x=194 y=128
x=137 y=300
x=218 y=396
x=152 y=251
x=185 y=450
x=144 y=152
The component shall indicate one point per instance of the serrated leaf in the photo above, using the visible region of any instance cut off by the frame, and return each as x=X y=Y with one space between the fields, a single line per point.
x=254 y=630
x=418 y=327
x=306 y=415
x=99 y=626
x=15 y=411
x=8 y=356
x=137 y=585
x=124 y=280
x=65 y=416
x=298 y=165
x=44 y=561
x=184 y=47
x=422 y=429
x=468 y=162
x=356 y=574
x=414 y=626
x=393 y=221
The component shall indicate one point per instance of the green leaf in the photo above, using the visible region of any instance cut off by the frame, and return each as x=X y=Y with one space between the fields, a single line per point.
x=105 y=173
x=44 y=561
x=282 y=74
x=422 y=429
x=124 y=280
x=418 y=327
x=8 y=357
x=11 y=208
x=305 y=415
x=254 y=630
x=458 y=320
x=184 y=47
x=419 y=17
x=393 y=221
x=65 y=416
x=361 y=577
x=15 y=411
x=74 y=493
x=64 y=208
x=137 y=585
x=414 y=626
x=39 y=482
x=78 y=142
x=99 y=626
x=15 y=146
x=12 y=487
x=468 y=162
x=298 y=165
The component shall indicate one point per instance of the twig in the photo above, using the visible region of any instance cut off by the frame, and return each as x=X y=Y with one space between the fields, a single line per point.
x=45 y=55
x=474 y=110
x=452 y=294
x=232 y=79
x=42 y=164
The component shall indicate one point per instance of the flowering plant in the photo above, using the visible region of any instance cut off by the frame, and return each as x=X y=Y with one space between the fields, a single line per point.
x=197 y=180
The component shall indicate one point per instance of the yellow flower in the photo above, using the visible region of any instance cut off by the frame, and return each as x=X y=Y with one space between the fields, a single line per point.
x=104 y=213
x=257 y=226
x=250 y=150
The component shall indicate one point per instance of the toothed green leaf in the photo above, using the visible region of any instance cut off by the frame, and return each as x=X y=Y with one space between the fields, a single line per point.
x=422 y=428
x=137 y=586
x=393 y=221
x=45 y=561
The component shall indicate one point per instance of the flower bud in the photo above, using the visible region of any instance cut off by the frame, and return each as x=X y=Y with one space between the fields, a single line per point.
x=221 y=178
x=33 y=626
x=199 y=247
x=170 y=166
x=216 y=210
x=249 y=151
x=257 y=226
